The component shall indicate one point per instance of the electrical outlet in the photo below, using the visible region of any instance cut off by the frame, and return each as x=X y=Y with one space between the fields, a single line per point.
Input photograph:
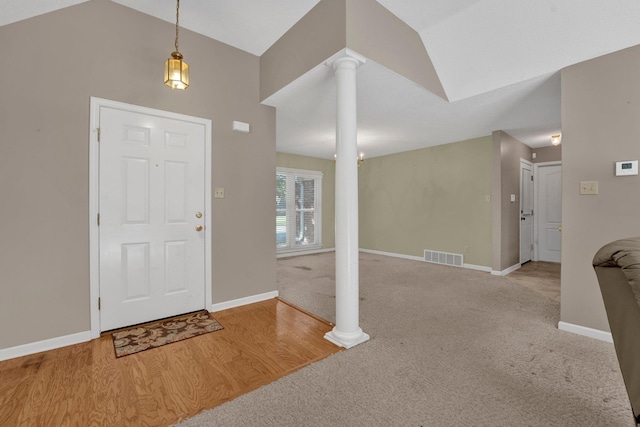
x=588 y=187
x=218 y=193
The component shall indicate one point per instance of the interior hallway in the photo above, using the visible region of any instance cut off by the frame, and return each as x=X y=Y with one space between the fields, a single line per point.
x=539 y=276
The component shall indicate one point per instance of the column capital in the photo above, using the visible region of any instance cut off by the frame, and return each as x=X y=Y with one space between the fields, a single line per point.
x=344 y=57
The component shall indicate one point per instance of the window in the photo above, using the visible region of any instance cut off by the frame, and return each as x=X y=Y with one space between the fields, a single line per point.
x=298 y=213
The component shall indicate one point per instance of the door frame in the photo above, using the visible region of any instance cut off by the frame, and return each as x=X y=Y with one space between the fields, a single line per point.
x=536 y=227
x=533 y=232
x=94 y=197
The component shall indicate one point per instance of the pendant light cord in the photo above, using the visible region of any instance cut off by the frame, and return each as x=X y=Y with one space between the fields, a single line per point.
x=177 y=22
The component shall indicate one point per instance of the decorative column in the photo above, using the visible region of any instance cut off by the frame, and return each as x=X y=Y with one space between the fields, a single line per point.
x=347 y=332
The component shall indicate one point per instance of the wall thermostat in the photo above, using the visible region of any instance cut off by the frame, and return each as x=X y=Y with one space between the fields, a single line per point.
x=627 y=167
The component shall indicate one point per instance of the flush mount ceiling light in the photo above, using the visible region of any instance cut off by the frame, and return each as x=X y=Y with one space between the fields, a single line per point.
x=555 y=140
x=176 y=71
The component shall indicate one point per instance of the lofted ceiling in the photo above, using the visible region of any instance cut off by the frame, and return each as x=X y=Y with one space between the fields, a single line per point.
x=498 y=62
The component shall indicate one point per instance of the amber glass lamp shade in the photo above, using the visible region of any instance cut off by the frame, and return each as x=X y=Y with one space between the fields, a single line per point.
x=176 y=72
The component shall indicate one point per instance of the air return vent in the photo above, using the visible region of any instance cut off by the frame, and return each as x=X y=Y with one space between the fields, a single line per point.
x=445 y=258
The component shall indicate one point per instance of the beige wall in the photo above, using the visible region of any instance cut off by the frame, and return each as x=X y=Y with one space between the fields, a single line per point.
x=362 y=25
x=433 y=198
x=548 y=154
x=382 y=37
x=507 y=152
x=600 y=110
x=102 y=49
x=328 y=169
x=312 y=40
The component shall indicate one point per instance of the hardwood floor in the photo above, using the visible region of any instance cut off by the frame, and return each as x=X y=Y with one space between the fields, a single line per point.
x=85 y=384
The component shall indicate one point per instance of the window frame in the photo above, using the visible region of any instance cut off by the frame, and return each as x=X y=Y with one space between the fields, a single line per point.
x=291 y=211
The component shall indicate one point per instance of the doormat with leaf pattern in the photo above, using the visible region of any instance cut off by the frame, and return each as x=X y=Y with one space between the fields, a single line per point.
x=167 y=331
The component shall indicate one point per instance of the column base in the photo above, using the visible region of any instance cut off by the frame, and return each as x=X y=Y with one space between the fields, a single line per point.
x=346 y=340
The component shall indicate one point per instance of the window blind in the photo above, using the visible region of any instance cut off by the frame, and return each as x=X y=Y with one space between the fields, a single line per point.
x=298 y=213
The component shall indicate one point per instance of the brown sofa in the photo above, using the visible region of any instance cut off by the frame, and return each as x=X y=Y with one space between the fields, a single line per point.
x=617 y=266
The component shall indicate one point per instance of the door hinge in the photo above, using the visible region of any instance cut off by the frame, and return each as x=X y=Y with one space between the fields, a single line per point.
x=98 y=134
x=99 y=303
x=98 y=220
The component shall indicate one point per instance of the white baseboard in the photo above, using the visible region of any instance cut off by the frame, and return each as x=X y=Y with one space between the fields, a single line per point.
x=587 y=332
x=506 y=271
x=477 y=267
x=391 y=254
x=243 y=301
x=298 y=253
x=80 y=337
x=39 y=346
x=418 y=258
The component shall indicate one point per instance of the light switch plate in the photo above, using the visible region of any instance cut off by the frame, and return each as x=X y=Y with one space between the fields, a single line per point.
x=588 y=187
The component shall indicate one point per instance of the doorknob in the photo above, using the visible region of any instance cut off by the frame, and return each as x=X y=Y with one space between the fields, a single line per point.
x=199 y=227
x=198 y=214
x=560 y=229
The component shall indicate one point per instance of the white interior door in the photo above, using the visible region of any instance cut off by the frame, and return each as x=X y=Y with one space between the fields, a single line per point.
x=152 y=205
x=549 y=213
x=526 y=212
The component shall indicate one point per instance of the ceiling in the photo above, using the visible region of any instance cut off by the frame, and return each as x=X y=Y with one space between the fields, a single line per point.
x=498 y=62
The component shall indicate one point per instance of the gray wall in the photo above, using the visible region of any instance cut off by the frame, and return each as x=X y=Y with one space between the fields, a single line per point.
x=382 y=37
x=313 y=39
x=103 y=49
x=547 y=154
x=362 y=25
x=507 y=152
x=328 y=169
x=433 y=198
x=600 y=110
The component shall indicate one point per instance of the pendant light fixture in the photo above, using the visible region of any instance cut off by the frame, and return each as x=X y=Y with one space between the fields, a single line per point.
x=176 y=71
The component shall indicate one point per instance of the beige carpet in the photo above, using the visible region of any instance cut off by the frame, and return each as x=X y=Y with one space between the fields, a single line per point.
x=449 y=347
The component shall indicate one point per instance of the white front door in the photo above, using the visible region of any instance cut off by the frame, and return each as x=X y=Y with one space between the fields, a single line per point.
x=526 y=212
x=152 y=205
x=549 y=213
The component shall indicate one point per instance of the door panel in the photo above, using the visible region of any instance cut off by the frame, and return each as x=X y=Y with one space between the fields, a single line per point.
x=550 y=213
x=526 y=212
x=176 y=267
x=135 y=193
x=135 y=271
x=151 y=186
x=552 y=240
